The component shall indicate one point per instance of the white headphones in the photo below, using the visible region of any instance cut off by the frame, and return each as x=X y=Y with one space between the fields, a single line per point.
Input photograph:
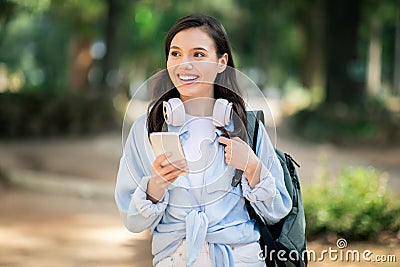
x=174 y=112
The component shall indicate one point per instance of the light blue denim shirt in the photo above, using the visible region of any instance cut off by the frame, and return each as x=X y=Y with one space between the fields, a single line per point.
x=222 y=219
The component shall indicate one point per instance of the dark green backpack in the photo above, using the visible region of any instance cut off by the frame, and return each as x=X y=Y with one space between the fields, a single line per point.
x=288 y=234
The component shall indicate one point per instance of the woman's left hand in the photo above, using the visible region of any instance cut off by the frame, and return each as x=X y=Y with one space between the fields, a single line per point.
x=239 y=155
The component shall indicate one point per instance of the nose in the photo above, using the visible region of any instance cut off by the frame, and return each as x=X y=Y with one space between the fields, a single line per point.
x=186 y=63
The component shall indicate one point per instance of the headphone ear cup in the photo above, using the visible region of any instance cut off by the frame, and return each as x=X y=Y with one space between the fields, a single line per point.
x=222 y=112
x=174 y=112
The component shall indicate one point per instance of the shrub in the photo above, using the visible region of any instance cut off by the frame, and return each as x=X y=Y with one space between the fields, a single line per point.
x=340 y=123
x=38 y=114
x=356 y=206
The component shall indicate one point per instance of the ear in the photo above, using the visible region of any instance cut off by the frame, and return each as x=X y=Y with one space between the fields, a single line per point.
x=222 y=63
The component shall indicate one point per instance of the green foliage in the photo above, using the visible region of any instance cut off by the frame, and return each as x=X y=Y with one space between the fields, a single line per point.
x=37 y=6
x=268 y=38
x=356 y=206
x=84 y=17
x=35 y=48
x=340 y=123
x=38 y=115
x=273 y=37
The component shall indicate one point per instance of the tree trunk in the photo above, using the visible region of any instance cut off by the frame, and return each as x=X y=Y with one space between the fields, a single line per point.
x=79 y=62
x=344 y=83
x=113 y=43
x=374 y=59
x=396 y=73
x=313 y=65
x=7 y=10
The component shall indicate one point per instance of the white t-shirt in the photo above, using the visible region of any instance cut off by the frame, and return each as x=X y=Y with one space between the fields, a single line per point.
x=199 y=155
x=201 y=132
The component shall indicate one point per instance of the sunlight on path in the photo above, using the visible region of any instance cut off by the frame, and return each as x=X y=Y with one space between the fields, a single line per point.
x=53 y=230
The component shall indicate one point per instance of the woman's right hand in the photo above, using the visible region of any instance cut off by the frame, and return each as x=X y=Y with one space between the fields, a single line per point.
x=163 y=176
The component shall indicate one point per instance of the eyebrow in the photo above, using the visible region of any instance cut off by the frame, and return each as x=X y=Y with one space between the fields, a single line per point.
x=196 y=48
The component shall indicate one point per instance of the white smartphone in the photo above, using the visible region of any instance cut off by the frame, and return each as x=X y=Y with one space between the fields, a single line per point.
x=167 y=142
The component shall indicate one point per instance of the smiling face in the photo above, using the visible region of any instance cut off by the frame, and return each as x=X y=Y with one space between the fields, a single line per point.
x=193 y=63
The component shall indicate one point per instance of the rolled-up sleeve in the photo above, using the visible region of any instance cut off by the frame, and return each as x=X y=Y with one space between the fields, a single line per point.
x=269 y=198
x=144 y=206
x=137 y=212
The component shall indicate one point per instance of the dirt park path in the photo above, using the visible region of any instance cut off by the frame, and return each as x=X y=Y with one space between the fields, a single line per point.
x=60 y=210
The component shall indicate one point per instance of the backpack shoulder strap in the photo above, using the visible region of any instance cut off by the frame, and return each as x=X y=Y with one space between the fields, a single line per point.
x=254 y=117
x=253 y=124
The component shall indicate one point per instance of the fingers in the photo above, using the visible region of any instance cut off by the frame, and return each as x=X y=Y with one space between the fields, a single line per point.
x=164 y=157
x=169 y=166
x=160 y=159
x=228 y=149
x=236 y=151
x=169 y=172
x=180 y=165
x=229 y=142
x=225 y=141
x=173 y=175
x=228 y=157
x=228 y=154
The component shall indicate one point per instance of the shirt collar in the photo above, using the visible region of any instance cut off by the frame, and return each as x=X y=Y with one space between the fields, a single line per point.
x=178 y=129
x=230 y=127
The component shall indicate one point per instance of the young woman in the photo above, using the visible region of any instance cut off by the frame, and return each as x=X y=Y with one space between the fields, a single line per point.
x=195 y=215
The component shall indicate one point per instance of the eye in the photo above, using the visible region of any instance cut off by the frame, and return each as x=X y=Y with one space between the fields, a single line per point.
x=199 y=54
x=174 y=53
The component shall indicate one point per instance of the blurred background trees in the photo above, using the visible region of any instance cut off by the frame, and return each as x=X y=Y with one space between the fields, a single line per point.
x=341 y=57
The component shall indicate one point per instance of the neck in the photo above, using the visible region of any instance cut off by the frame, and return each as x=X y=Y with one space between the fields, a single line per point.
x=199 y=106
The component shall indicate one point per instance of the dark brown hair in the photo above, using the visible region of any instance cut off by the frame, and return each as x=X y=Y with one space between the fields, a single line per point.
x=225 y=85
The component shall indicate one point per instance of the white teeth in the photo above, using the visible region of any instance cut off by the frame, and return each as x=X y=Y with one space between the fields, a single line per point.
x=187 y=77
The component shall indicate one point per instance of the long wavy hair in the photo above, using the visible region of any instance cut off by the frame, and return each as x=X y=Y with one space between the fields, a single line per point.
x=225 y=85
